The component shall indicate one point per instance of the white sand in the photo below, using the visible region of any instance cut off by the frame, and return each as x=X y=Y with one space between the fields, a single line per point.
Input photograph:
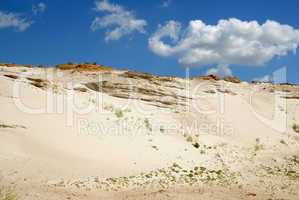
x=57 y=152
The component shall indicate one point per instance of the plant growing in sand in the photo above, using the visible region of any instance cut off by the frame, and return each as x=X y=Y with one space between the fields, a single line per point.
x=155 y=147
x=119 y=113
x=148 y=125
x=7 y=194
x=196 y=145
x=296 y=128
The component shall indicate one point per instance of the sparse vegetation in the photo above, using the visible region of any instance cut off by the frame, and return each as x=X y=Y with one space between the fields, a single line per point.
x=296 y=128
x=288 y=169
x=147 y=124
x=295 y=160
x=196 y=145
x=164 y=178
x=189 y=138
x=7 y=194
x=119 y=113
x=83 y=67
x=258 y=146
x=14 y=65
x=155 y=147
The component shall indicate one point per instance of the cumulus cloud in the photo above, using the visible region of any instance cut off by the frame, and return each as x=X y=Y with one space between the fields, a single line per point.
x=39 y=8
x=122 y=21
x=221 y=70
x=228 y=42
x=14 y=20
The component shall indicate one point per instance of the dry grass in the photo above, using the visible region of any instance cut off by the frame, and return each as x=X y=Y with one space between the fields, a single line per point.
x=210 y=77
x=83 y=67
x=232 y=79
x=14 y=65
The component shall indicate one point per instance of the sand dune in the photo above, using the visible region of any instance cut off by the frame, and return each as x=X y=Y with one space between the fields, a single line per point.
x=113 y=134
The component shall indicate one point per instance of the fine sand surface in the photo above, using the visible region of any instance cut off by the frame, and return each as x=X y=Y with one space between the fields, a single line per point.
x=113 y=135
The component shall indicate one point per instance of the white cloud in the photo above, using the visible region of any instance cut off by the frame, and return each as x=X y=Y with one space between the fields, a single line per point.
x=266 y=78
x=166 y=3
x=14 y=20
x=39 y=8
x=122 y=21
x=230 y=41
x=221 y=70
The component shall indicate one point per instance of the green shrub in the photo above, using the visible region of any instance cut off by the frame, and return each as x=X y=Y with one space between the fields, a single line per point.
x=196 y=145
x=296 y=128
x=119 y=113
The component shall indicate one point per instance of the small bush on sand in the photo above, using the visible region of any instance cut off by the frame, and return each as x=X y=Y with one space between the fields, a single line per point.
x=196 y=145
x=189 y=139
x=119 y=113
x=296 y=128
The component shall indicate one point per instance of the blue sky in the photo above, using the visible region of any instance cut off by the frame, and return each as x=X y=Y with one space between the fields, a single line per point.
x=61 y=32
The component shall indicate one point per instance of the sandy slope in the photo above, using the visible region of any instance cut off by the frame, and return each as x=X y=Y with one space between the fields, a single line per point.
x=58 y=141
